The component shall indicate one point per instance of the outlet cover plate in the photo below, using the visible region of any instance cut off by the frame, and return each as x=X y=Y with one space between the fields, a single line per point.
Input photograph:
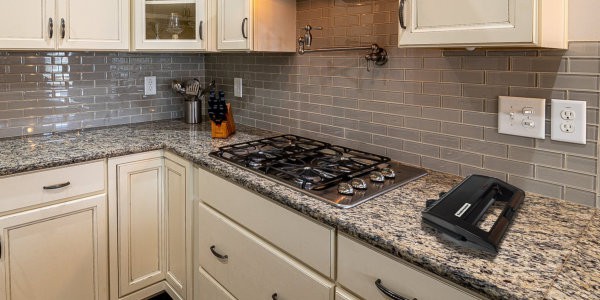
x=149 y=85
x=568 y=121
x=522 y=116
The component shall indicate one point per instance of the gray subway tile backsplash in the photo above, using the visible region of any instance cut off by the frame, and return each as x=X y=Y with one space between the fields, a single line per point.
x=430 y=107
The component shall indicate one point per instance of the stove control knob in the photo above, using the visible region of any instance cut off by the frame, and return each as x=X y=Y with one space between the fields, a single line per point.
x=345 y=189
x=376 y=176
x=388 y=173
x=359 y=184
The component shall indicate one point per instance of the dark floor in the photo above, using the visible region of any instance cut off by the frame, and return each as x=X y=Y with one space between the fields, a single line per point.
x=163 y=296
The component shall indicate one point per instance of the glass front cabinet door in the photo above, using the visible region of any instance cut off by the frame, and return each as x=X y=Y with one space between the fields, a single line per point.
x=172 y=24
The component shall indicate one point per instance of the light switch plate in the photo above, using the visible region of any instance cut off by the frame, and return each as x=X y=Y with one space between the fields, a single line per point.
x=522 y=116
x=237 y=87
x=568 y=121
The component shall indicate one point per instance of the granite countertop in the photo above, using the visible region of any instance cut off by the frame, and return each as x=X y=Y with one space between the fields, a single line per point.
x=552 y=250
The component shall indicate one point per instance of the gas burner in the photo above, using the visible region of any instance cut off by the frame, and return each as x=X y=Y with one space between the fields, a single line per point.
x=342 y=176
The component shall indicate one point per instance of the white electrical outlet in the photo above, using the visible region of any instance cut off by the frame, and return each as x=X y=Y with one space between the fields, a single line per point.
x=522 y=116
x=237 y=87
x=150 y=85
x=568 y=121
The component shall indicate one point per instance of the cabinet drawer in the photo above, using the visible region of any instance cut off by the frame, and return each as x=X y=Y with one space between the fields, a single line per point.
x=311 y=243
x=39 y=187
x=252 y=269
x=210 y=289
x=360 y=266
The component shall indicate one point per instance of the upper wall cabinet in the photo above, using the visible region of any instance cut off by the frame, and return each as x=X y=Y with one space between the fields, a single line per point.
x=174 y=25
x=65 y=24
x=489 y=23
x=252 y=25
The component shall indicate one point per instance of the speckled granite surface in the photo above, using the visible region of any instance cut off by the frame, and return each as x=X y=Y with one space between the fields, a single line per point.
x=551 y=251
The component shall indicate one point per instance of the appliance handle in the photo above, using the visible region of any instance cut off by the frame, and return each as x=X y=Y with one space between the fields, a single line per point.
x=57 y=186
x=388 y=292
x=217 y=254
x=401 y=14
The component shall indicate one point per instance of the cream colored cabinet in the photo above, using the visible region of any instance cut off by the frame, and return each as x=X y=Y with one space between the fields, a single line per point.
x=341 y=294
x=178 y=215
x=475 y=23
x=56 y=252
x=250 y=268
x=368 y=273
x=150 y=231
x=65 y=24
x=210 y=289
x=312 y=243
x=53 y=234
x=252 y=25
x=140 y=217
x=175 y=25
x=27 y=24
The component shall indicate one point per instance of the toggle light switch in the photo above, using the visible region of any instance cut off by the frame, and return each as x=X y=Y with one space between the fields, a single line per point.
x=522 y=116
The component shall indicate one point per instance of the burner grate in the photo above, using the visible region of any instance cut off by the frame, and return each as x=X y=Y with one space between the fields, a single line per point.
x=307 y=163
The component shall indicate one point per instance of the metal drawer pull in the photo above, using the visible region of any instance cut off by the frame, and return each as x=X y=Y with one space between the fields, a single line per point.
x=401 y=14
x=389 y=293
x=62 y=28
x=274 y=296
x=200 y=30
x=244 y=28
x=57 y=186
x=51 y=28
x=215 y=253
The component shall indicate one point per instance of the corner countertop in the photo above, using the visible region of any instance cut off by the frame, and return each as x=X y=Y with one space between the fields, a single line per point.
x=552 y=250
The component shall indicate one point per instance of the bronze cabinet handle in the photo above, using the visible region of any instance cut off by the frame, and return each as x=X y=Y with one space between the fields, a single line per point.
x=388 y=292
x=57 y=186
x=217 y=254
x=62 y=28
x=244 y=34
x=50 y=27
x=401 y=14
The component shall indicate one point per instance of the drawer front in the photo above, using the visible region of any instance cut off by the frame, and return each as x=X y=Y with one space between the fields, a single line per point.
x=311 y=243
x=253 y=269
x=360 y=266
x=210 y=289
x=25 y=190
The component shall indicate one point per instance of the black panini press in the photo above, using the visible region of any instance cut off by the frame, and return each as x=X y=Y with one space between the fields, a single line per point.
x=459 y=212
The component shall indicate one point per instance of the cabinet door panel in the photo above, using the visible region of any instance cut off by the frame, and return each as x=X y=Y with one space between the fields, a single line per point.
x=359 y=267
x=25 y=24
x=56 y=252
x=153 y=32
x=235 y=22
x=469 y=22
x=141 y=236
x=175 y=202
x=92 y=24
x=253 y=269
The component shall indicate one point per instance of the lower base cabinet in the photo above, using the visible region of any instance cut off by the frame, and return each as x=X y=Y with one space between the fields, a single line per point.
x=367 y=273
x=150 y=227
x=56 y=252
x=250 y=268
x=209 y=288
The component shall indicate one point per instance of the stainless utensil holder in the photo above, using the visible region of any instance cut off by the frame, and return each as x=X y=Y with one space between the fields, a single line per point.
x=192 y=111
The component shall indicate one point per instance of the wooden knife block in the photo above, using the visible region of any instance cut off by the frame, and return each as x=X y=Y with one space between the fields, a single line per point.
x=226 y=128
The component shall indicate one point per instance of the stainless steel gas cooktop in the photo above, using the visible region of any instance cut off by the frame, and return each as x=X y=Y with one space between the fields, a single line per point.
x=337 y=175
